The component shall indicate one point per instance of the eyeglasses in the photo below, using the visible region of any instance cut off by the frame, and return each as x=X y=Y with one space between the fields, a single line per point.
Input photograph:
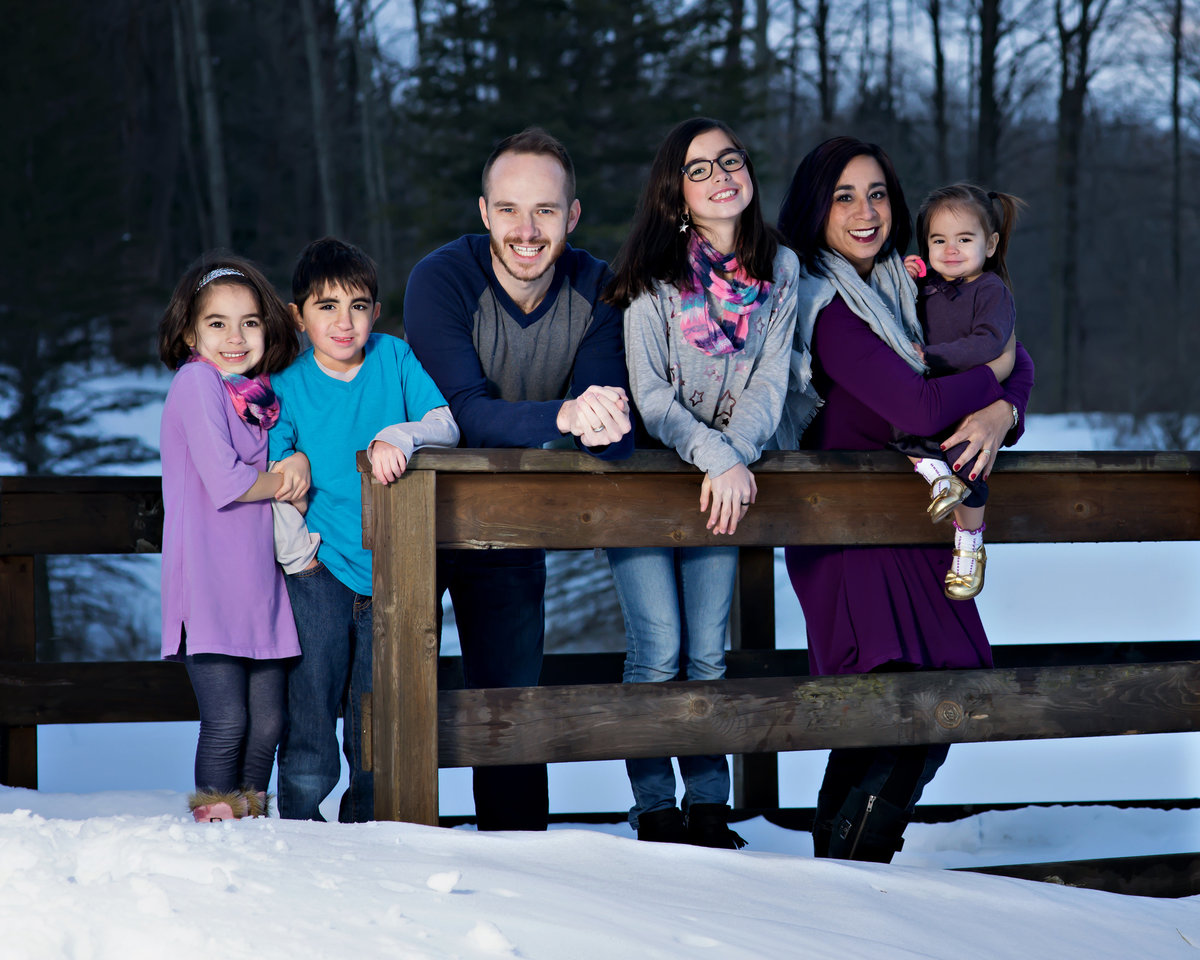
x=700 y=170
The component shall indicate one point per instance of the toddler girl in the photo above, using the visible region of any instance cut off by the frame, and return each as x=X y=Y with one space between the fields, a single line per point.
x=967 y=311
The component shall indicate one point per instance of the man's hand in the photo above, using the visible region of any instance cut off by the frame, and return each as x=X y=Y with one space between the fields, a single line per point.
x=387 y=462
x=598 y=416
x=297 y=477
x=731 y=492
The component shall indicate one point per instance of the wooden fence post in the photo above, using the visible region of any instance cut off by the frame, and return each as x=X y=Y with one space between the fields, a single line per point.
x=403 y=741
x=755 y=775
x=18 y=644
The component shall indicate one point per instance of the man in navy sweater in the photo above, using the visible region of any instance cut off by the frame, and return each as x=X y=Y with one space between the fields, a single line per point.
x=511 y=327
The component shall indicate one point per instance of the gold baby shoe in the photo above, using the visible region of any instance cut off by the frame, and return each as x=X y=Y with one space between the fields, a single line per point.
x=943 y=504
x=964 y=586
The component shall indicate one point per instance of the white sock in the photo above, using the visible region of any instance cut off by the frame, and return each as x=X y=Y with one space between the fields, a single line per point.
x=966 y=540
x=934 y=472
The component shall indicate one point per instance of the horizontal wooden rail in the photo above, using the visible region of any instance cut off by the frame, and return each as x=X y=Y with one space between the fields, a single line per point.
x=157 y=691
x=803 y=498
x=603 y=722
x=562 y=500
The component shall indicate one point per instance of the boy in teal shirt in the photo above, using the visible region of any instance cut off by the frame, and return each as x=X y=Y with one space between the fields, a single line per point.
x=352 y=390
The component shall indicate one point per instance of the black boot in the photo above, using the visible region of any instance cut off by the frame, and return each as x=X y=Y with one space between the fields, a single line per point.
x=822 y=831
x=663 y=826
x=708 y=826
x=868 y=827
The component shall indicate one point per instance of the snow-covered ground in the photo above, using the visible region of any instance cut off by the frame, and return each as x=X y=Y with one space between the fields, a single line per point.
x=126 y=876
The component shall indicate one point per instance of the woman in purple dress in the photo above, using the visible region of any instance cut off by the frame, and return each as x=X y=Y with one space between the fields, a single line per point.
x=873 y=609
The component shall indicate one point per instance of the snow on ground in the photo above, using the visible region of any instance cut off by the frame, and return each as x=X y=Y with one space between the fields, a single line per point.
x=126 y=875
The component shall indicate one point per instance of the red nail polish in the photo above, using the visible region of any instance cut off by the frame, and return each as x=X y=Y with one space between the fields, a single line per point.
x=956 y=466
x=972 y=476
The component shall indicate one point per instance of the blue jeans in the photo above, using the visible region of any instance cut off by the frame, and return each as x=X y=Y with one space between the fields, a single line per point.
x=241 y=719
x=334 y=671
x=499 y=606
x=675 y=602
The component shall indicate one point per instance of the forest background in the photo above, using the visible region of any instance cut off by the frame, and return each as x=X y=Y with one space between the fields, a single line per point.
x=142 y=132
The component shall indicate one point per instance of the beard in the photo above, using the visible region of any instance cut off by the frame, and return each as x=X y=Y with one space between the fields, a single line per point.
x=526 y=272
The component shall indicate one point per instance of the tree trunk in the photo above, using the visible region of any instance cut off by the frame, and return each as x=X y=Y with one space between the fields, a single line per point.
x=826 y=92
x=203 y=222
x=987 y=129
x=322 y=137
x=210 y=125
x=1075 y=41
x=1177 y=169
x=941 y=123
x=733 y=39
x=375 y=188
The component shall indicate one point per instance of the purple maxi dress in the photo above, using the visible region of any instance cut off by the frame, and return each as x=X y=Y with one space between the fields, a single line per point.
x=867 y=606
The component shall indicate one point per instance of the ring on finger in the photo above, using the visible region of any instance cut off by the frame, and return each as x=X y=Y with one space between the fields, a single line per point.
x=985 y=452
x=599 y=429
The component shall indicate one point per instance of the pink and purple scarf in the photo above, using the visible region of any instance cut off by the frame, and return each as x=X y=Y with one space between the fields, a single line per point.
x=252 y=397
x=736 y=298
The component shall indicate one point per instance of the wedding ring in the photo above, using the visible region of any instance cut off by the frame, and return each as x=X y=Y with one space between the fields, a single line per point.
x=745 y=503
x=985 y=452
x=597 y=429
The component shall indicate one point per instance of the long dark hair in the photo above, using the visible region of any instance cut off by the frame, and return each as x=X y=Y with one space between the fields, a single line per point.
x=656 y=250
x=972 y=199
x=179 y=320
x=805 y=209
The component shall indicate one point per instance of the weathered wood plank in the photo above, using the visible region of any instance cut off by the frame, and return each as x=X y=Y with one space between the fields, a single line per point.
x=404 y=696
x=833 y=497
x=1159 y=875
x=127 y=692
x=97 y=517
x=151 y=691
x=752 y=627
x=600 y=722
x=562 y=511
x=18 y=642
x=464 y=460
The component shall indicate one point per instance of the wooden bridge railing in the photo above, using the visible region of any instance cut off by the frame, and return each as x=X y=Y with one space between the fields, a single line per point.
x=559 y=499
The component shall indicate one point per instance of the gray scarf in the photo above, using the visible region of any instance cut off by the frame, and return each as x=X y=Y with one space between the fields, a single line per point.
x=888 y=305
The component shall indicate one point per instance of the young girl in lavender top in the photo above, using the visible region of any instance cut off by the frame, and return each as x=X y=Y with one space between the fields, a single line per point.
x=966 y=308
x=225 y=609
x=709 y=295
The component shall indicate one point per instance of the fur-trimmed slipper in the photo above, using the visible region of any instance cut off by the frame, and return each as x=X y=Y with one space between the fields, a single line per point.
x=258 y=802
x=209 y=806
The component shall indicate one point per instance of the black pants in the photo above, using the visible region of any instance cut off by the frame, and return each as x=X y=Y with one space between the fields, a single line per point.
x=499 y=606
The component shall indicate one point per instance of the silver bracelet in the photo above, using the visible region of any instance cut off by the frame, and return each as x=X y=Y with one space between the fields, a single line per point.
x=1016 y=416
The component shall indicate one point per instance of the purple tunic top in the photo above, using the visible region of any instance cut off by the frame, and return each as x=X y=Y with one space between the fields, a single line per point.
x=220 y=581
x=867 y=606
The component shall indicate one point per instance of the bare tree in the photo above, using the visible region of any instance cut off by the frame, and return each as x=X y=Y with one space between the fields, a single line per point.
x=1076 y=26
x=210 y=126
x=941 y=121
x=374 y=179
x=987 y=127
x=322 y=135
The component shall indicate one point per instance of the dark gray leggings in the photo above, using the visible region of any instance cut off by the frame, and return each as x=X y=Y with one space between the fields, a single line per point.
x=241 y=719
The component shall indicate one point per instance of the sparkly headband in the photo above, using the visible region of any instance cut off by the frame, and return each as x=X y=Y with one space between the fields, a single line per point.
x=219 y=272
